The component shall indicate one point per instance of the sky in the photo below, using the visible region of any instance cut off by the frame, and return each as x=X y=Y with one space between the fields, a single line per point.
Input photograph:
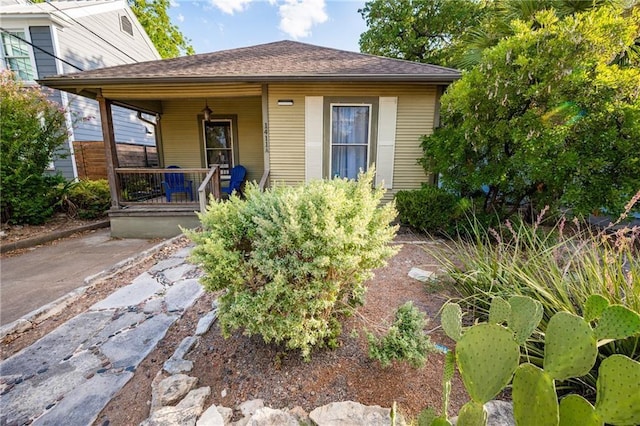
x=214 y=25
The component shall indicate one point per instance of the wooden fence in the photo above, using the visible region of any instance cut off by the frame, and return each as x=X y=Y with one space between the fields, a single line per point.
x=92 y=163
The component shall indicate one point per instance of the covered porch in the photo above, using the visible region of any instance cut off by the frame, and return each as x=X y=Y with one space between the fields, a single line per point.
x=202 y=132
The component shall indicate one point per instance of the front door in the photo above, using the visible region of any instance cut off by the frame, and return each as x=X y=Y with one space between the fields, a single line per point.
x=218 y=145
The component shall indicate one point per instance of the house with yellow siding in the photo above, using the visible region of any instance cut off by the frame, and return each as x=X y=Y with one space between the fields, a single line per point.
x=287 y=111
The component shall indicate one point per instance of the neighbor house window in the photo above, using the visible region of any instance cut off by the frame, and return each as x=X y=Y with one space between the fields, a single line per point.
x=350 y=139
x=219 y=144
x=15 y=53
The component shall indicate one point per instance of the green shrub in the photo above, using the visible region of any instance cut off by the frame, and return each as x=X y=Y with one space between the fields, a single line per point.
x=88 y=199
x=31 y=130
x=405 y=340
x=429 y=209
x=292 y=259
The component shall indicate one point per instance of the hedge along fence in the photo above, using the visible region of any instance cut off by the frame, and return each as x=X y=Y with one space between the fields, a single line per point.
x=294 y=259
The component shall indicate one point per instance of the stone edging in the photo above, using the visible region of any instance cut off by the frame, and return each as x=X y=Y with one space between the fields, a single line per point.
x=34 y=241
x=37 y=316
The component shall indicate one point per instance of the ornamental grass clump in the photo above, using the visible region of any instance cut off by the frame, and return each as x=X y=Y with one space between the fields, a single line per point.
x=292 y=260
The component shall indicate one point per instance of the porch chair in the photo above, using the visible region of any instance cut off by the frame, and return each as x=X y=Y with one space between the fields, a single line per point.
x=238 y=175
x=175 y=182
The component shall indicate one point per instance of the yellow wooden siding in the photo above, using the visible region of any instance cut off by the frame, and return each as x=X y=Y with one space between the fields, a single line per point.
x=416 y=107
x=181 y=131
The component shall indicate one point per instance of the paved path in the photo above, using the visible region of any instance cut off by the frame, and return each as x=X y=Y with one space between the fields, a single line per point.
x=42 y=275
x=68 y=376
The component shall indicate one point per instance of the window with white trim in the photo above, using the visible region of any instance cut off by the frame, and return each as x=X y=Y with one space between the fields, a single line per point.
x=16 y=55
x=350 y=139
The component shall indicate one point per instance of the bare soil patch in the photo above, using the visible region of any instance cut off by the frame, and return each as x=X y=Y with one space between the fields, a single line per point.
x=242 y=368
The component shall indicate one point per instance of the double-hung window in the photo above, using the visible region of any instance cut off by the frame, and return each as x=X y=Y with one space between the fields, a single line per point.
x=16 y=55
x=350 y=139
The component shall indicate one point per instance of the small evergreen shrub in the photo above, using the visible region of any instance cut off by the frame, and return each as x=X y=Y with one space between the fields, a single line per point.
x=405 y=340
x=293 y=259
x=429 y=209
x=88 y=199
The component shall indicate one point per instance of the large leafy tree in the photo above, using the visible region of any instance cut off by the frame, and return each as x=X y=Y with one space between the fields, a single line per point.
x=167 y=37
x=547 y=116
x=418 y=30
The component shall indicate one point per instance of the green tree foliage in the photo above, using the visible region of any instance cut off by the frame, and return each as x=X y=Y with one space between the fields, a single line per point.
x=167 y=37
x=546 y=117
x=418 y=30
x=293 y=259
x=31 y=129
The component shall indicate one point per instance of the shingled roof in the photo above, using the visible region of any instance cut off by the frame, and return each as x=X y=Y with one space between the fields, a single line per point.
x=278 y=61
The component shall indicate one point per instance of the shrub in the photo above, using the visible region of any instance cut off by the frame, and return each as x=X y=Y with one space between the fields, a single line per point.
x=31 y=130
x=88 y=199
x=429 y=209
x=405 y=340
x=292 y=259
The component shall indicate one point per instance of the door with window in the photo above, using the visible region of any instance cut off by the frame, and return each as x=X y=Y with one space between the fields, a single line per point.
x=219 y=145
x=349 y=139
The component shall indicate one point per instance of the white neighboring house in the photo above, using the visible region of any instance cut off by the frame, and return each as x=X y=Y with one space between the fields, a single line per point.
x=60 y=37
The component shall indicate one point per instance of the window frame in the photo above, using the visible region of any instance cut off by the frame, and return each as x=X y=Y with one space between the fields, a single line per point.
x=328 y=103
x=27 y=38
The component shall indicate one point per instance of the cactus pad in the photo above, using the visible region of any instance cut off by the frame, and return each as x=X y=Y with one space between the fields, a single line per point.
x=534 y=397
x=499 y=311
x=617 y=322
x=570 y=348
x=618 y=391
x=440 y=421
x=526 y=314
x=594 y=307
x=487 y=356
x=472 y=414
x=451 y=320
x=575 y=410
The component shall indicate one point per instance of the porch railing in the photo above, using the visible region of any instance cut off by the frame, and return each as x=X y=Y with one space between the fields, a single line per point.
x=210 y=185
x=166 y=187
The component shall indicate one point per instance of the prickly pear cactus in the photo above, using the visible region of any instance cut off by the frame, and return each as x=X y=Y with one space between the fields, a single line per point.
x=451 y=320
x=487 y=356
x=525 y=316
x=472 y=414
x=570 y=347
x=575 y=410
x=500 y=310
x=534 y=397
x=617 y=322
x=594 y=307
x=618 y=391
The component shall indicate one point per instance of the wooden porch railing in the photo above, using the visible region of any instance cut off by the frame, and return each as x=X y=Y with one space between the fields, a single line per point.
x=157 y=187
x=209 y=185
x=264 y=181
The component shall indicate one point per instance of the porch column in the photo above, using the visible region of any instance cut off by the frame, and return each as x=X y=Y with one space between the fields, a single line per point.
x=265 y=125
x=111 y=152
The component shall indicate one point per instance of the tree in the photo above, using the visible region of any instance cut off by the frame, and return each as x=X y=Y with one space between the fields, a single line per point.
x=547 y=116
x=32 y=128
x=167 y=38
x=418 y=30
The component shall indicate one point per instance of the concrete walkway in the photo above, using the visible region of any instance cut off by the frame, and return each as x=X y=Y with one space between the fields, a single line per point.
x=68 y=376
x=44 y=274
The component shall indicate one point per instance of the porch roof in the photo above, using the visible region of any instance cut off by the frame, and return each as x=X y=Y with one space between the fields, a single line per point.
x=271 y=62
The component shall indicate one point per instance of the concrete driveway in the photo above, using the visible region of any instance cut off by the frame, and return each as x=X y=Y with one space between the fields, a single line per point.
x=42 y=275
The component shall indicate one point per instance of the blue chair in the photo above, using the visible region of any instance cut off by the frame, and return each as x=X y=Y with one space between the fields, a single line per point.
x=238 y=174
x=175 y=182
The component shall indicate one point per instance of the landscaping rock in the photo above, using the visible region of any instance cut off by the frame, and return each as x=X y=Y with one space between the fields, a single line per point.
x=174 y=388
x=351 y=413
x=499 y=413
x=183 y=294
x=205 y=322
x=422 y=275
x=249 y=408
x=141 y=289
x=269 y=417
x=211 y=417
x=177 y=366
x=184 y=414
